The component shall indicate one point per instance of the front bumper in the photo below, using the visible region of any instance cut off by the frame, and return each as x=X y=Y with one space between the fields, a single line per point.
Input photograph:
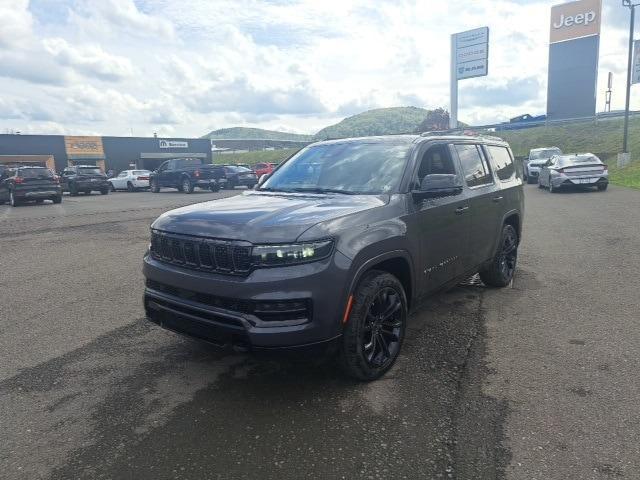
x=217 y=307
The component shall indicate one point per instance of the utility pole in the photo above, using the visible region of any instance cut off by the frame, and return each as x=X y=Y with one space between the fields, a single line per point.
x=631 y=4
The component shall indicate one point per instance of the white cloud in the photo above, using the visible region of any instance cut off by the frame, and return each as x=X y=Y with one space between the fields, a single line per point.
x=90 y=60
x=187 y=67
x=16 y=23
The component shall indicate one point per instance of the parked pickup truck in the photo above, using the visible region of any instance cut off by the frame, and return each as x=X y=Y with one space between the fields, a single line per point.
x=186 y=174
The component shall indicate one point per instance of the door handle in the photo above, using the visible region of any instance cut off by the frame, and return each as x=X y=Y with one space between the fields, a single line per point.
x=497 y=199
x=461 y=210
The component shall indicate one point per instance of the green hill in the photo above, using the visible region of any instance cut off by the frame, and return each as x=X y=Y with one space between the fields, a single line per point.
x=381 y=121
x=244 y=133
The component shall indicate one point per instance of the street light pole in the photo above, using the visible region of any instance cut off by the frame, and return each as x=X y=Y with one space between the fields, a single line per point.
x=632 y=4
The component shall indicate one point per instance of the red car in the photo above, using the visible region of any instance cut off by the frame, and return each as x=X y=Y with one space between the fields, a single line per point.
x=262 y=169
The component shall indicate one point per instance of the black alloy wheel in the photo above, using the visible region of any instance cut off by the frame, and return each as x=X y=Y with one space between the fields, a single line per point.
x=375 y=327
x=502 y=268
x=380 y=335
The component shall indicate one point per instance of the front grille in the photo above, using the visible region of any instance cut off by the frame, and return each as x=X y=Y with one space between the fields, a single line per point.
x=265 y=310
x=201 y=254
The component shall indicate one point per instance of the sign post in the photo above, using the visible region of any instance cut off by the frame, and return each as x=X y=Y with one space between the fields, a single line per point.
x=469 y=59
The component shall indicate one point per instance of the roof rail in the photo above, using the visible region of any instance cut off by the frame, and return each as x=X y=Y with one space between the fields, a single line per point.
x=459 y=131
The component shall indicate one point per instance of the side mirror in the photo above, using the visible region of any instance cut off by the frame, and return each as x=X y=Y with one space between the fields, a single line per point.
x=438 y=185
x=262 y=178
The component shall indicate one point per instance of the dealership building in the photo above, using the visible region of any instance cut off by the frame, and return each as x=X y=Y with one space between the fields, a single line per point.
x=109 y=153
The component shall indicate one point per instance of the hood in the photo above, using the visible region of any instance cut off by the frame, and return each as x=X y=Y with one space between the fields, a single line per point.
x=263 y=217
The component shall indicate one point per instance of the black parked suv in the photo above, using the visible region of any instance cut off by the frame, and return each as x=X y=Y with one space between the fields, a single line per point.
x=23 y=184
x=238 y=175
x=186 y=174
x=84 y=178
x=335 y=247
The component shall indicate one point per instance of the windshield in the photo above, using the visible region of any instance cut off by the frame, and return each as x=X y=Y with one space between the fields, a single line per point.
x=89 y=171
x=546 y=153
x=371 y=168
x=35 y=173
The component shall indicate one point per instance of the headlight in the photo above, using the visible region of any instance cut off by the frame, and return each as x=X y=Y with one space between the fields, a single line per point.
x=291 y=254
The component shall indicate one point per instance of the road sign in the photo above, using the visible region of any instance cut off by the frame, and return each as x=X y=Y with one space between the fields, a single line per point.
x=469 y=59
x=635 y=68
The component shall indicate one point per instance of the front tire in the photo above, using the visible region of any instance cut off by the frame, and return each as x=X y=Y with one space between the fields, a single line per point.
x=375 y=328
x=104 y=191
x=154 y=187
x=111 y=187
x=500 y=272
x=214 y=187
x=57 y=199
x=602 y=187
x=552 y=189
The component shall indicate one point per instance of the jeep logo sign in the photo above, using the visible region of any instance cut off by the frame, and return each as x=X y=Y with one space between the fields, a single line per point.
x=575 y=20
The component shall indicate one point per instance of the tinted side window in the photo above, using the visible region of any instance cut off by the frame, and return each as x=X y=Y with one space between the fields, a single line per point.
x=502 y=161
x=436 y=160
x=474 y=166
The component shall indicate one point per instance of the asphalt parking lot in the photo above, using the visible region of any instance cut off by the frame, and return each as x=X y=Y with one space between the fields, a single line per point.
x=537 y=381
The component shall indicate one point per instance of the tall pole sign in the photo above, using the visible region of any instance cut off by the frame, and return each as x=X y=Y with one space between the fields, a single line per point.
x=469 y=59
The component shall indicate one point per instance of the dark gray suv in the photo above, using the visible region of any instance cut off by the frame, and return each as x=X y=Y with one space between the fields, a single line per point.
x=330 y=253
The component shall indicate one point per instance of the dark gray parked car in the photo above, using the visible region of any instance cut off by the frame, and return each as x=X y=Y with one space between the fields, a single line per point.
x=84 y=178
x=331 y=252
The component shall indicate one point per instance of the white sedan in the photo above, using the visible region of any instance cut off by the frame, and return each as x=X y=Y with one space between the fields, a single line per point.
x=130 y=180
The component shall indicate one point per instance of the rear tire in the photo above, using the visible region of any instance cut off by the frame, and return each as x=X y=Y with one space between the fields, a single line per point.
x=57 y=199
x=372 y=338
x=130 y=187
x=111 y=187
x=500 y=272
x=154 y=187
x=602 y=187
x=73 y=191
x=39 y=200
x=13 y=201
x=104 y=191
x=186 y=185
x=214 y=187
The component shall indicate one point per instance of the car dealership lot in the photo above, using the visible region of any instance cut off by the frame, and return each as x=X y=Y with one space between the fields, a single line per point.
x=536 y=381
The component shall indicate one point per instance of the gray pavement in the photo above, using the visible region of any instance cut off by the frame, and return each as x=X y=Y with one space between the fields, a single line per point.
x=534 y=381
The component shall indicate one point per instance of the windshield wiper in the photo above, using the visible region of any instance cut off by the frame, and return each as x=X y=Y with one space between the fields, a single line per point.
x=322 y=190
x=269 y=189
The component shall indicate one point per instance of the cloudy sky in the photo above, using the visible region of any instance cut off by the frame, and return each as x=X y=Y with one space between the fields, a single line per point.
x=185 y=67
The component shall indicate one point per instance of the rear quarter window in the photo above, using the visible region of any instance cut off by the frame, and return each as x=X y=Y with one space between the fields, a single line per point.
x=502 y=161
